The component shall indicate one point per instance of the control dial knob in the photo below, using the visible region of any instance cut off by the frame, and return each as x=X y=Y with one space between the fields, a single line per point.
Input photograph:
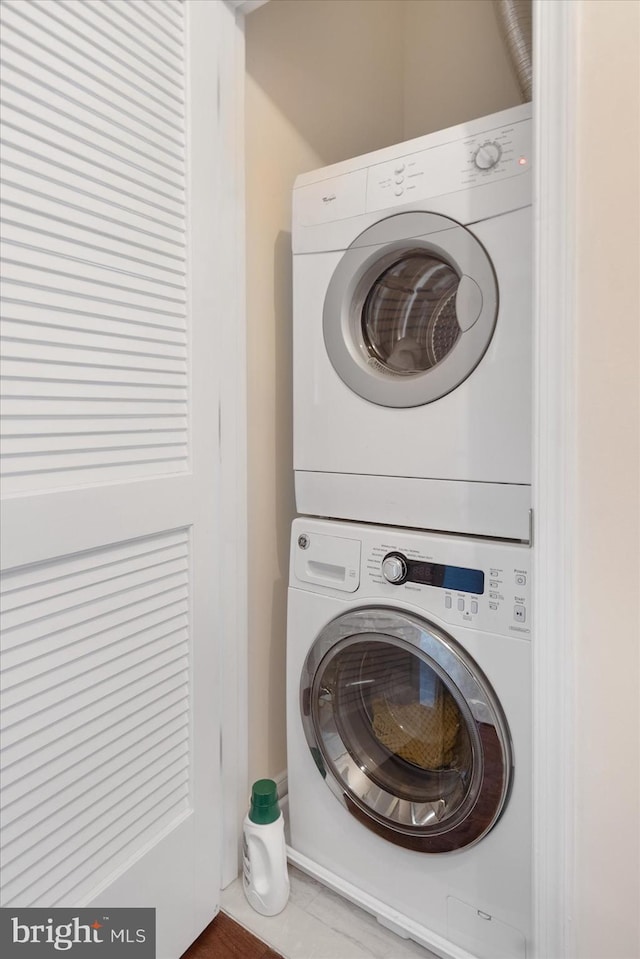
x=394 y=568
x=487 y=155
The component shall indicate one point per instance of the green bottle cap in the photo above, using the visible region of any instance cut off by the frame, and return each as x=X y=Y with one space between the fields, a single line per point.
x=264 y=802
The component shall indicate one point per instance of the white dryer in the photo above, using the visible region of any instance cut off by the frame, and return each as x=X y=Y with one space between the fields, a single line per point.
x=412 y=332
x=409 y=724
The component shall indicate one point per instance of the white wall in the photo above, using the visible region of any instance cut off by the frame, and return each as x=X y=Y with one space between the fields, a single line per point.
x=327 y=80
x=607 y=668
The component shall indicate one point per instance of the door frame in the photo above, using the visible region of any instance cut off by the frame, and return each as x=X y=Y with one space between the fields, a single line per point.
x=555 y=45
x=231 y=421
x=555 y=418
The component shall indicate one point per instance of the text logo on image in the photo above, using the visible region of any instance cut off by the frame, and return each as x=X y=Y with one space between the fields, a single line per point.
x=80 y=933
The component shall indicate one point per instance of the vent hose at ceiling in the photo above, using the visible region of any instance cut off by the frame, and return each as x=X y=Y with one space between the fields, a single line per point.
x=514 y=18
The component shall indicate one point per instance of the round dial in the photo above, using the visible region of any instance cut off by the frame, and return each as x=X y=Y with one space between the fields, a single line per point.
x=394 y=568
x=487 y=155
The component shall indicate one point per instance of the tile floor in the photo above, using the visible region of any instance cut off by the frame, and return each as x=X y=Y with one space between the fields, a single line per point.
x=319 y=924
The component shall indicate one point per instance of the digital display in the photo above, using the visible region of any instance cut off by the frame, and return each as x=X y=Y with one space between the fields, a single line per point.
x=447 y=577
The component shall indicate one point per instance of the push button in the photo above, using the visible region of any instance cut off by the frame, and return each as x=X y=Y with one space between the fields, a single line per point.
x=461 y=605
x=447 y=602
x=520 y=614
x=521 y=579
x=474 y=605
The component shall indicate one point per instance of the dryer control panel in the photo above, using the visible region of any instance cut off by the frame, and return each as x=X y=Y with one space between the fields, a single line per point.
x=426 y=169
x=493 y=154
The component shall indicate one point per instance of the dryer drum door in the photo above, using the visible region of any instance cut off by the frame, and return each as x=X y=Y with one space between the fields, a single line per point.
x=406 y=730
x=410 y=309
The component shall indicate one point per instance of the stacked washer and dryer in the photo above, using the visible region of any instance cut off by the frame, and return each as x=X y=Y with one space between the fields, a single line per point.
x=408 y=648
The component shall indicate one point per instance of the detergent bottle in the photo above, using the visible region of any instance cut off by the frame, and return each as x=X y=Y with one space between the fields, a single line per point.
x=264 y=856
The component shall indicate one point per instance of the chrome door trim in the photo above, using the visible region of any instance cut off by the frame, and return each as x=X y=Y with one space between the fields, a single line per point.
x=367 y=257
x=402 y=821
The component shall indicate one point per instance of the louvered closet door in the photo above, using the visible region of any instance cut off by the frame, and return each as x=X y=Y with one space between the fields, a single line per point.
x=110 y=260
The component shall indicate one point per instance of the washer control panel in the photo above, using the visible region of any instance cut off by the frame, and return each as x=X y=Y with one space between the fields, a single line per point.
x=495 y=598
x=460 y=581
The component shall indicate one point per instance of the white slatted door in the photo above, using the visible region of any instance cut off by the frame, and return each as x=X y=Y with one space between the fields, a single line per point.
x=110 y=397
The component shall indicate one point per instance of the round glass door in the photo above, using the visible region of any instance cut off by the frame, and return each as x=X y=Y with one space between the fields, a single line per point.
x=409 y=320
x=406 y=730
x=410 y=310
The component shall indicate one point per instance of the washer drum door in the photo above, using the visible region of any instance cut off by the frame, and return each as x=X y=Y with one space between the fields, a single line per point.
x=410 y=309
x=406 y=730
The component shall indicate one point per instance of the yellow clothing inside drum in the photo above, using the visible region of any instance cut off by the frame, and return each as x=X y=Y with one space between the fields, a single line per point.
x=423 y=735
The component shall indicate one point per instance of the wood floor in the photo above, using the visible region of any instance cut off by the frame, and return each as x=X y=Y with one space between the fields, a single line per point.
x=225 y=939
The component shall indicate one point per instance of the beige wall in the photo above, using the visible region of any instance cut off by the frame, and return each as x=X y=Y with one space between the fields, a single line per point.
x=456 y=65
x=327 y=80
x=315 y=94
x=608 y=569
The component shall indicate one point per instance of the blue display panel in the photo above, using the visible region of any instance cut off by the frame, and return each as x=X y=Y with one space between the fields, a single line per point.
x=465 y=580
x=447 y=577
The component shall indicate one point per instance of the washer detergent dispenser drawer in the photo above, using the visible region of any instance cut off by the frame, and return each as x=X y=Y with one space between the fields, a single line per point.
x=329 y=561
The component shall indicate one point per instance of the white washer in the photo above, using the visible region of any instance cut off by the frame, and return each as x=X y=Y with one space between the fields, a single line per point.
x=412 y=332
x=409 y=724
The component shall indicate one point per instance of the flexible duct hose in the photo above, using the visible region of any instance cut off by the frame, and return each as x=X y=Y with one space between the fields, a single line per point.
x=514 y=18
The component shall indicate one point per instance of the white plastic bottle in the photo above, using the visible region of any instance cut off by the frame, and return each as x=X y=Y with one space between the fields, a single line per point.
x=264 y=856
